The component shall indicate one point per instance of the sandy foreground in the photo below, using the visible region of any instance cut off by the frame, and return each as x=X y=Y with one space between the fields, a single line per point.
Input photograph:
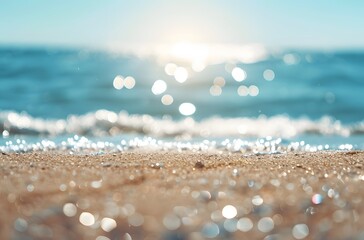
x=173 y=196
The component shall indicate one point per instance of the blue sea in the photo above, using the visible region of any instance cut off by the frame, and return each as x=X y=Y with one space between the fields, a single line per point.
x=254 y=101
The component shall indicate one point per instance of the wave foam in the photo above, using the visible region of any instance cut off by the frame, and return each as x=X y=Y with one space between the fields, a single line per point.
x=103 y=122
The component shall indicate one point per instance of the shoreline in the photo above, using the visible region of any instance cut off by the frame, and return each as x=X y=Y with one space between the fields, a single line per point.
x=171 y=195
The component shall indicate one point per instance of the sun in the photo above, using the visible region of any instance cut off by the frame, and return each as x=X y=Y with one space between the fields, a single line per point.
x=189 y=51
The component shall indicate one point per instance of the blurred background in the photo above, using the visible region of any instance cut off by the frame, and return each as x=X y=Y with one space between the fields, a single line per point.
x=240 y=68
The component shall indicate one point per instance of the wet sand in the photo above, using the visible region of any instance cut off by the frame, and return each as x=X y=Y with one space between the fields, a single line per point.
x=160 y=195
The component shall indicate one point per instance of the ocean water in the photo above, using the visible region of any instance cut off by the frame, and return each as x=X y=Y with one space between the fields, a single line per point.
x=250 y=101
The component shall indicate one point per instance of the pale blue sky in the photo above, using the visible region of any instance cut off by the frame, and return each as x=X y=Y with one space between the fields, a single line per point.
x=90 y=23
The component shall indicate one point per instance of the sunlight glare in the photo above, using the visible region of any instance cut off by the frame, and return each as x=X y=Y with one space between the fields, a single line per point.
x=190 y=52
x=187 y=109
x=118 y=82
x=268 y=74
x=238 y=74
x=215 y=90
x=253 y=90
x=167 y=99
x=219 y=81
x=198 y=66
x=129 y=82
x=243 y=91
x=170 y=69
x=181 y=74
x=159 y=87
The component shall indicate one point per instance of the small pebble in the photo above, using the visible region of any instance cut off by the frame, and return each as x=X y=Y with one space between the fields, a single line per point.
x=199 y=164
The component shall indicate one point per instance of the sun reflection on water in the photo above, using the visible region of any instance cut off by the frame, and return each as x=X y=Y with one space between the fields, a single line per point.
x=181 y=74
x=118 y=82
x=184 y=62
x=238 y=74
x=167 y=99
x=159 y=87
x=129 y=82
x=187 y=109
x=269 y=75
x=170 y=69
x=215 y=90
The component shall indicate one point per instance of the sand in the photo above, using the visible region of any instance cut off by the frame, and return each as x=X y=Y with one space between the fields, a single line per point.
x=161 y=195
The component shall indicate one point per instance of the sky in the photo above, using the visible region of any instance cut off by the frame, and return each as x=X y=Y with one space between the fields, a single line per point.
x=123 y=24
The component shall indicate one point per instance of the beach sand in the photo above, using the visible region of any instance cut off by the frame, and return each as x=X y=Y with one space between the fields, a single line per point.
x=172 y=195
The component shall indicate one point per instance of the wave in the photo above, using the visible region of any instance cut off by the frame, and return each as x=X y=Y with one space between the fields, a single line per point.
x=108 y=123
